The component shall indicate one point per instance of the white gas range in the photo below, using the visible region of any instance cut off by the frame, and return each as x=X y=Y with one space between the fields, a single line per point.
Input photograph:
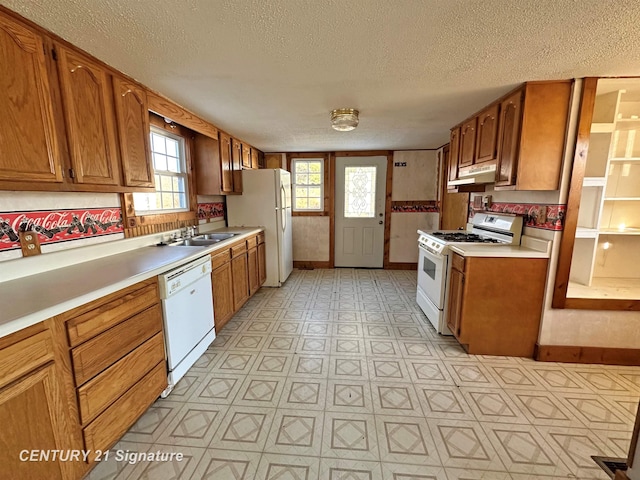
x=434 y=262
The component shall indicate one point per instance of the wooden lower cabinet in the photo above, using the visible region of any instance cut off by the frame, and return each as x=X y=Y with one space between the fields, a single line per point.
x=238 y=272
x=34 y=408
x=240 y=277
x=495 y=303
x=262 y=262
x=253 y=270
x=116 y=361
x=223 y=304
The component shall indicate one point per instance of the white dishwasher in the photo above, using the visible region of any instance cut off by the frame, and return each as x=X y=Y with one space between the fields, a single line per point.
x=187 y=308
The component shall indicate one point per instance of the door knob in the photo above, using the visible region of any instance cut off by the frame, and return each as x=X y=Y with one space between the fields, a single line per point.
x=380 y=222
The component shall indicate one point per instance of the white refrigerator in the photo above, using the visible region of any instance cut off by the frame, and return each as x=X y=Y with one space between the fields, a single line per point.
x=266 y=202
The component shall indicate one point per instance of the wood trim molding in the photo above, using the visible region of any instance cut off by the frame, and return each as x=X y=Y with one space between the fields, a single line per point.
x=387 y=210
x=587 y=102
x=310 y=264
x=567 y=240
x=365 y=153
x=635 y=438
x=401 y=266
x=575 y=354
x=165 y=107
x=332 y=209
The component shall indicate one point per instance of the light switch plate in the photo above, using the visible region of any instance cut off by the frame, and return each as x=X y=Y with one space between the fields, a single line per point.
x=29 y=243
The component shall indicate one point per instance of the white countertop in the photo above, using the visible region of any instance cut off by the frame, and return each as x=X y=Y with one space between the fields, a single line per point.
x=529 y=248
x=28 y=300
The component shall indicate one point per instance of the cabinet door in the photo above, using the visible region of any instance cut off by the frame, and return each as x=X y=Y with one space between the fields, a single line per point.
x=226 y=183
x=262 y=263
x=31 y=412
x=132 y=115
x=508 y=139
x=487 y=138
x=223 y=304
x=454 y=153
x=28 y=143
x=246 y=156
x=208 y=165
x=255 y=163
x=88 y=109
x=468 y=143
x=240 y=273
x=236 y=164
x=254 y=271
x=455 y=302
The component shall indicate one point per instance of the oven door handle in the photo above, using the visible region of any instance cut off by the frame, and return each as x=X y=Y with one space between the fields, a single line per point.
x=430 y=254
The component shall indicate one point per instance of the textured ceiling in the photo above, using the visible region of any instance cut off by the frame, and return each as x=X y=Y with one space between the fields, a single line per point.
x=269 y=71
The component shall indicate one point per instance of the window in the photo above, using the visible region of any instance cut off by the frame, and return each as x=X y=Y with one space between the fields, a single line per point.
x=359 y=192
x=308 y=187
x=170 y=176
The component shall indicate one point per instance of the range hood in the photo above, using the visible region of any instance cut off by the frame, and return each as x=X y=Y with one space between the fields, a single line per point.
x=475 y=175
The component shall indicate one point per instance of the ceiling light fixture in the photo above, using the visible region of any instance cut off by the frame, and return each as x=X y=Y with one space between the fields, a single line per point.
x=344 y=119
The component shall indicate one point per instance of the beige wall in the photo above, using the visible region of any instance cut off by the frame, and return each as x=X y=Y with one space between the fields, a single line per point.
x=419 y=179
x=310 y=239
x=403 y=247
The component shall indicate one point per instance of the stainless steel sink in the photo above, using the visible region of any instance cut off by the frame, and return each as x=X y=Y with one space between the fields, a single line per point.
x=215 y=236
x=202 y=240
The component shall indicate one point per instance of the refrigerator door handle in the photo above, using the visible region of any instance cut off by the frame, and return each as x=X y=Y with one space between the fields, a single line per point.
x=283 y=210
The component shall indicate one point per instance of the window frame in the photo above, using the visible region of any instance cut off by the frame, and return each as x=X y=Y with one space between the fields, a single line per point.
x=183 y=173
x=326 y=185
x=294 y=185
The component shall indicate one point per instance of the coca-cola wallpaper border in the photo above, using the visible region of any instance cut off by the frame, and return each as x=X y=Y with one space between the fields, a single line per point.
x=53 y=226
x=210 y=210
x=545 y=217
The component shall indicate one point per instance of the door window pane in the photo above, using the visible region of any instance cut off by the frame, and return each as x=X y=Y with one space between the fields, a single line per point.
x=359 y=192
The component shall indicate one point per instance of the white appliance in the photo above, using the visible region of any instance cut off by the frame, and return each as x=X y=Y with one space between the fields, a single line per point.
x=187 y=308
x=434 y=259
x=266 y=202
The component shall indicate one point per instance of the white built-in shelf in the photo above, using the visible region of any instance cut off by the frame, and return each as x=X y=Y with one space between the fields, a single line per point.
x=615 y=231
x=594 y=181
x=602 y=127
x=622 y=199
x=625 y=159
x=628 y=120
x=583 y=232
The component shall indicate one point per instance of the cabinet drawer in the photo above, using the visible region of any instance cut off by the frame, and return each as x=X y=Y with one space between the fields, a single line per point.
x=100 y=352
x=458 y=262
x=252 y=242
x=239 y=249
x=24 y=356
x=89 y=324
x=105 y=430
x=260 y=238
x=220 y=258
x=95 y=395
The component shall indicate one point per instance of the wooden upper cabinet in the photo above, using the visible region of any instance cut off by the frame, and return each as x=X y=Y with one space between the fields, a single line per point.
x=246 y=156
x=208 y=168
x=487 y=137
x=454 y=153
x=255 y=164
x=132 y=115
x=226 y=183
x=236 y=165
x=508 y=139
x=468 y=143
x=90 y=121
x=29 y=145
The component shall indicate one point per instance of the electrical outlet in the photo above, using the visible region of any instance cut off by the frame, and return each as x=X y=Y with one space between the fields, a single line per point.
x=29 y=243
